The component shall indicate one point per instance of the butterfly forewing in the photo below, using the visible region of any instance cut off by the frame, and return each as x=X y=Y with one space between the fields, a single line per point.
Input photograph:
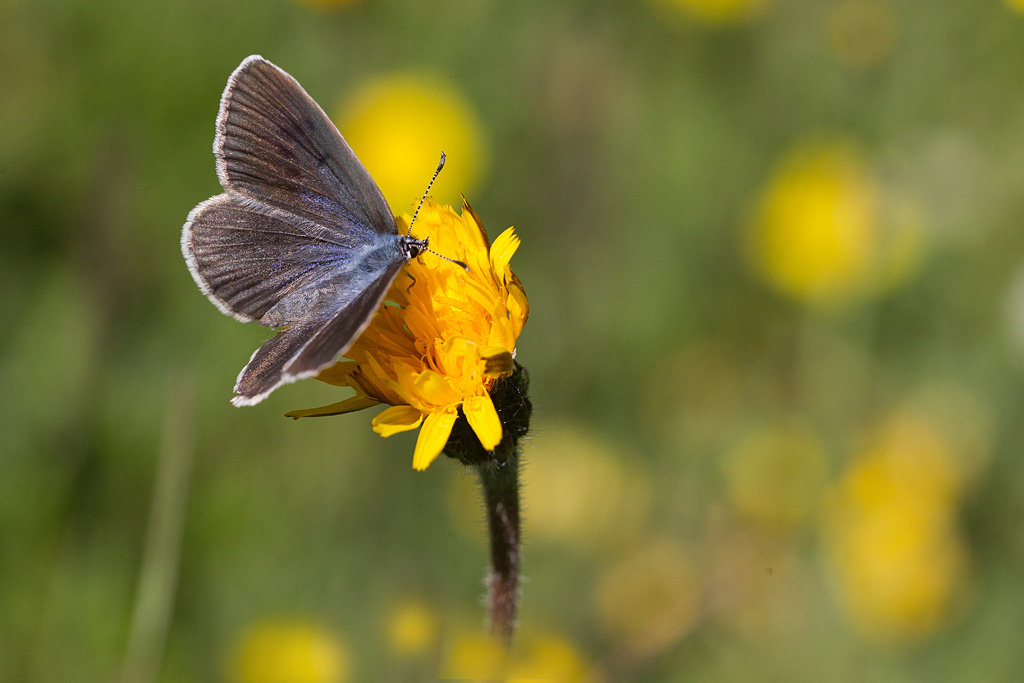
x=277 y=146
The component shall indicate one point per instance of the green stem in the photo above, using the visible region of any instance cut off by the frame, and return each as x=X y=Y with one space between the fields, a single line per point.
x=158 y=575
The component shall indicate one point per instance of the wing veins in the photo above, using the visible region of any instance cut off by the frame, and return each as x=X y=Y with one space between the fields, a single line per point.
x=282 y=106
x=315 y=110
x=285 y=234
x=306 y=227
x=259 y=136
x=242 y=172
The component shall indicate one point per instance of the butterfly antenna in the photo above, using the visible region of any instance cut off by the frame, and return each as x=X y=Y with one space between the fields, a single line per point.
x=440 y=165
x=451 y=260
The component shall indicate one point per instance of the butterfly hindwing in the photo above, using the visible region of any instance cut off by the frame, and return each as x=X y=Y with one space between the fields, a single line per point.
x=334 y=338
x=265 y=370
x=304 y=350
x=247 y=257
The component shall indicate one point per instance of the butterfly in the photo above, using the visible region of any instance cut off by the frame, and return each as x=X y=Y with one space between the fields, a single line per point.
x=301 y=238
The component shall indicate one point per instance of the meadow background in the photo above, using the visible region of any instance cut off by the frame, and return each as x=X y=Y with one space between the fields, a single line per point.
x=774 y=251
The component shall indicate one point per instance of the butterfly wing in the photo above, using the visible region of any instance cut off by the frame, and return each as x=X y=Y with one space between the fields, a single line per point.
x=275 y=145
x=247 y=257
x=290 y=241
x=264 y=371
x=303 y=351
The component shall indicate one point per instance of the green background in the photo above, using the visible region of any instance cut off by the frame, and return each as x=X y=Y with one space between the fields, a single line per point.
x=628 y=147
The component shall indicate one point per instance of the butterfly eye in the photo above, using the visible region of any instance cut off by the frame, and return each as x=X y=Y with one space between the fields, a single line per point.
x=412 y=247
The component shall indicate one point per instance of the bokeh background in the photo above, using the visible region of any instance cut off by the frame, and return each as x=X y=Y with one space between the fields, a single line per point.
x=775 y=256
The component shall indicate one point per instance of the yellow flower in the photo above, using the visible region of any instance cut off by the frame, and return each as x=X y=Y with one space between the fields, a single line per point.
x=413 y=628
x=1017 y=5
x=442 y=339
x=328 y=4
x=538 y=656
x=828 y=233
x=550 y=658
x=398 y=124
x=289 y=652
x=476 y=658
x=891 y=532
x=718 y=12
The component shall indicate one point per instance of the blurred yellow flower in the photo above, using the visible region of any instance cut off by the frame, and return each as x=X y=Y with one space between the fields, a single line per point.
x=713 y=11
x=1017 y=5
x=891 y=533
x=536 y=657
x=476 y=657
x=548 y=658
x=862 y=33
x=328 y=4
x=649 y=601
x=398 y=125
x=775 y=475
x=441 y=340
x=577 y=490
x=826 y=234
x=289 y=652
x=413 y=628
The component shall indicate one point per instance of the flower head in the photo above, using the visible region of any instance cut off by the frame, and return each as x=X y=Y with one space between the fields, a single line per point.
x=891 y=531
x=289 y=650
x=827 y=231
x=396 y=123
x=442 y=339
x=712 y=12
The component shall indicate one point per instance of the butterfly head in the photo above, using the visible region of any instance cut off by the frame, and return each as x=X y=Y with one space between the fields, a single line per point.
x=412 y=247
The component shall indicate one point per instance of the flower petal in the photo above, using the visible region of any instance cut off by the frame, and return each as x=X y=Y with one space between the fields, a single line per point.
x=458 y=345
x=442 y=337
x=518 y=304
x=483 y=418
x=404 y=387
x=434 y=388
x=502 y=250
x=433 y=436
x=397 y=419
x=339 y=374
x=474 y=221
x=497 y=361
x=502 y=333
x=349 y=405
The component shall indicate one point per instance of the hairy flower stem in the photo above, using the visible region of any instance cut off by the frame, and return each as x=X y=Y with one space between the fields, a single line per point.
x=500 y=481
x=499 y=477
